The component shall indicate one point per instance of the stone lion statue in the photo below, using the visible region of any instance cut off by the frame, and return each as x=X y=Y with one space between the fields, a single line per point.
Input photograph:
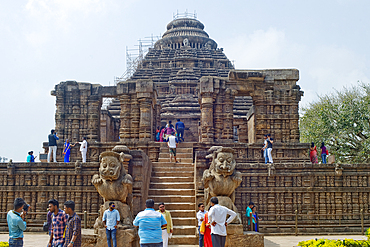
x=112 y=182
x=221 y=179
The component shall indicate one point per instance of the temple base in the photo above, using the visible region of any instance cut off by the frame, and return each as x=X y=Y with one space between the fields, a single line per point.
x=236 y=237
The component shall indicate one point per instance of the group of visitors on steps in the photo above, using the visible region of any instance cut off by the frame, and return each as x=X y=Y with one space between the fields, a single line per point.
x=163 y=133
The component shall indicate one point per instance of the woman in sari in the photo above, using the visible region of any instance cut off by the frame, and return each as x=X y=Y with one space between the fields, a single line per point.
x=205 y=229
x=161 y=134
x=67 y=150
x=313 y=154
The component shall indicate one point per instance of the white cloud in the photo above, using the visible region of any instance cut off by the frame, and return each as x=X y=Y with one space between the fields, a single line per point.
x=322 y=67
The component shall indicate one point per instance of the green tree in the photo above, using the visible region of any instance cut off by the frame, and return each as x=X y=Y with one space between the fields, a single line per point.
x=342 y=121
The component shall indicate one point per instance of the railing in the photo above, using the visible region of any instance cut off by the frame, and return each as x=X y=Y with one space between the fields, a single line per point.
x=87 y=219
x=335 y=220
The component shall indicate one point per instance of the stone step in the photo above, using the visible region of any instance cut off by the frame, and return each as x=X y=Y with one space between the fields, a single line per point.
x=184 y=230
x=183 y=240
x=171 y=164
x=178 y=167
x=173 y=174
x=171 y=179
x=178 y=205
x=180 y=160
x=180 y=145
x=172 y=185
x=183 y=213
x=173 y=198
x=179 y=150
x=185 y=192
x=178 y=155
x=184 y=221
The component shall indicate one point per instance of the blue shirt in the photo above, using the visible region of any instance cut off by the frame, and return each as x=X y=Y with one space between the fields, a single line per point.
x=180 y=125
x=248 y=213
x=111 y=218
x=149 y=222
x=16 y=224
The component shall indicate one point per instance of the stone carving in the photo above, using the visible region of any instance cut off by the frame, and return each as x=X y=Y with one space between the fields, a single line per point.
x=338 y=170
x=112 y=182
x=185 y=42
x=221 y=179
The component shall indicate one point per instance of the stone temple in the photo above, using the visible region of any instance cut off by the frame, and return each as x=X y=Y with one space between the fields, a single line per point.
x=187 y=76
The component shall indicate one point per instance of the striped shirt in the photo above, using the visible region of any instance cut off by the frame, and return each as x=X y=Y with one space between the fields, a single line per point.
x=73 y=229
x=58 y=225
x=150 y=222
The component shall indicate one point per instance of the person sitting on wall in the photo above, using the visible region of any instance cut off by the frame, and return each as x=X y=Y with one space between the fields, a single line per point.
x=30 y=157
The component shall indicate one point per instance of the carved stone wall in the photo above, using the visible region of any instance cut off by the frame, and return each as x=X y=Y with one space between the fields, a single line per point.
x=309 y=189
x=39 y=182
x=275 y=97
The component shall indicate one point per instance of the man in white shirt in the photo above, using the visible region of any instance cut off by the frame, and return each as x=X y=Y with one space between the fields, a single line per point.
x=200 y=217
x=172 y=144
x=217 y=218
x=83 y=149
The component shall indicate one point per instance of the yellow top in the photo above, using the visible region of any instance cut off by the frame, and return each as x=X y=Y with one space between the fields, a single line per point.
x=167 y=216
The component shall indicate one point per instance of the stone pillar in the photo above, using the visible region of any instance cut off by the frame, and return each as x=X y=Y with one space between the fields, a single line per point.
x=135 y=117
x=125 y=116
x=227 y=130
x=94 y=107
x=145 y=130
x=206 y=107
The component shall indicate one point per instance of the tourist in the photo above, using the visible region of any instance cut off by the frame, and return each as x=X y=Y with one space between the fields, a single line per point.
x=157 y=134
x=83 y=149
x=49 y=221
x=255 y=218
x=313 y=154
x=150 y=225
x=169 y=125
x=217 y=218
x=111 y=219
x=248 y=212
x=17 y=223
x=73 y=228
x=161 y=134
x=167 y=230
x=324 y=153
x=180 y=127
x=269 y=148
x=205 y=229
x=53 y=137
x=200 y=217
x=168 y=131
x=30 y=157
x=264 y=149
x=67 y=150
x=58 y=224
x=172 y=144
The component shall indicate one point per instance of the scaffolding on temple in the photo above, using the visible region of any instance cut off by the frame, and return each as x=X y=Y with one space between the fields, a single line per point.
x=184 y=15
x=135 y=56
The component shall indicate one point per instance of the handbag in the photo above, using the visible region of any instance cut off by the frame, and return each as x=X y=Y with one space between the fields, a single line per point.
x=45 y=227
x=327 y=152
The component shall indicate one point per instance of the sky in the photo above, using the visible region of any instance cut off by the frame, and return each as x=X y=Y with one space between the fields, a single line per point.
x=44 y=42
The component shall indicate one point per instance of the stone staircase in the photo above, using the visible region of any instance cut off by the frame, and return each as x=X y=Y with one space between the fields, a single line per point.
x=174 y=185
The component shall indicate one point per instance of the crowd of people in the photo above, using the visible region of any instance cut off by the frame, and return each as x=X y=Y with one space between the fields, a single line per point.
x=52 y=143
x=163 y=133
x=313 y=153
x=155 y=227
x=64 y=226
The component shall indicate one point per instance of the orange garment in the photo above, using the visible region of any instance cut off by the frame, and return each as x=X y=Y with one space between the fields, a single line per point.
x=207 y=233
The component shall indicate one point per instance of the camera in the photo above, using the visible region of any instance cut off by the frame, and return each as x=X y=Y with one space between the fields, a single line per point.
x=26 y=207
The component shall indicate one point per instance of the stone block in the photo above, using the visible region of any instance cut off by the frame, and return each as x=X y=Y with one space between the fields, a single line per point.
x=125 y=238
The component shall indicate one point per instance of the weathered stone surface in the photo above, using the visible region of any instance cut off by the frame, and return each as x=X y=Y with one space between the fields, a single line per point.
x=112 y=182
x=125 y=238
x=254 y=239
x=221 y=179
